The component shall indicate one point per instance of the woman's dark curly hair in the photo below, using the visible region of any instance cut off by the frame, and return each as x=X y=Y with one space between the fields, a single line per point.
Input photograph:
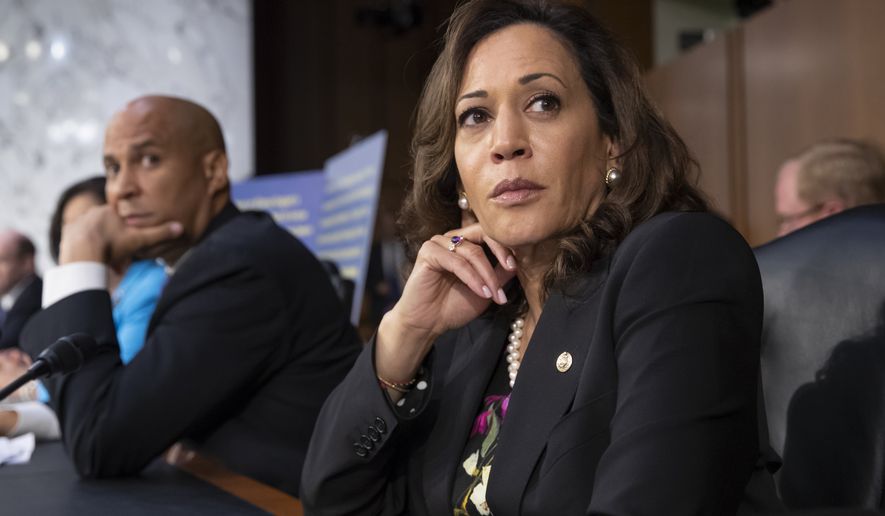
x=93 y=186
x=657 y=171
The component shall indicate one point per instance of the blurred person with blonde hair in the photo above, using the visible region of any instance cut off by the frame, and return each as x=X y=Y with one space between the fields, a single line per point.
x=826 y=178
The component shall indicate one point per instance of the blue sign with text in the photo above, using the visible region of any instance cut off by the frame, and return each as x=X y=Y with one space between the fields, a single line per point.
x=331 y=210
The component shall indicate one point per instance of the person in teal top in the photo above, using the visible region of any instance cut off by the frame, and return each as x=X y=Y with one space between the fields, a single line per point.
x=135 y=294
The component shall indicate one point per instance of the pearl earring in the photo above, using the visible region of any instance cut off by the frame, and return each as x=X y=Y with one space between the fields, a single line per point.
x=462 y=201
x=612 y=176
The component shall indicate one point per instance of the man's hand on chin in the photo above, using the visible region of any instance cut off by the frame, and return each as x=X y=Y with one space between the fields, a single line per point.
x=100 y=235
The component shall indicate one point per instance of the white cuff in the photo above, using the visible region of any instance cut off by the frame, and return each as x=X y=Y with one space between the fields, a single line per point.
x=36 y=417
x=64 y=280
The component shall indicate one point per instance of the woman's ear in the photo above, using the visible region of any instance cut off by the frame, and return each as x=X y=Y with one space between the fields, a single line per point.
x=613 y=153
x=467 y=215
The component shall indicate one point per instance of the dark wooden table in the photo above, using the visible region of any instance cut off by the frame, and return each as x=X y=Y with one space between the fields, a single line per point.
x=183 y=483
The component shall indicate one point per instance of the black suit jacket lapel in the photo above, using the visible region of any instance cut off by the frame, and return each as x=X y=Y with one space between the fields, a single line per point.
x=466 y=382
x=542 y=394
x=175 y=285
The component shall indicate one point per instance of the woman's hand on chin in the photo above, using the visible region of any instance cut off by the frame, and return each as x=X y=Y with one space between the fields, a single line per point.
x=446 y=289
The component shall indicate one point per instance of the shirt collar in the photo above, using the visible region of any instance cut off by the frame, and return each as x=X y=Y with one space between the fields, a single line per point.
x=227 y=213
x=170 y=269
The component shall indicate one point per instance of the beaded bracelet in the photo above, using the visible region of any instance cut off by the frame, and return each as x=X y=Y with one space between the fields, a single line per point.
x=398 y=387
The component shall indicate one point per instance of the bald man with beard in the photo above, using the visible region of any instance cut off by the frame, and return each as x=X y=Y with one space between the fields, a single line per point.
x=248 y=337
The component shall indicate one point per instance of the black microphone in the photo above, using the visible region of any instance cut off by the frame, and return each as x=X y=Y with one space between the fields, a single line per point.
x=64 y=356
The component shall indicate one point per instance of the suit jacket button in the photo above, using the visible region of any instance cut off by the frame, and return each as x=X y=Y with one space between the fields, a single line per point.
x=366 y=442
x=373 y=434
x=359 y=450
x=381 y=425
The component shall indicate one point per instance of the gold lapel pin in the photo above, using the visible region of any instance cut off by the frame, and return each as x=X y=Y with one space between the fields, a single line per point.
x=564 y=362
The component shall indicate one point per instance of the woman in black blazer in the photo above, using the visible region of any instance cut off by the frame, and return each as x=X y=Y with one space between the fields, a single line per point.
x=589 y=344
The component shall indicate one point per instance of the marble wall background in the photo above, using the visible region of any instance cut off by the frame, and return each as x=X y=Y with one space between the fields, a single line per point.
x=67 y=65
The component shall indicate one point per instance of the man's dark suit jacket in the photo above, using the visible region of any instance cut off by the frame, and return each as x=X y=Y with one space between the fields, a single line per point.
x=657 y=415
x=246 y=342
x=27 y=304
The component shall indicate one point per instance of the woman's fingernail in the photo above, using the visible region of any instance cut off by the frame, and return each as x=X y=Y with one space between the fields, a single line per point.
x=501 y=296
x=175 y=227
x=486 y=292
x=511 y=263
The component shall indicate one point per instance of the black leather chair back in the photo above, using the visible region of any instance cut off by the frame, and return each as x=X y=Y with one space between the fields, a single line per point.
x=823 y=359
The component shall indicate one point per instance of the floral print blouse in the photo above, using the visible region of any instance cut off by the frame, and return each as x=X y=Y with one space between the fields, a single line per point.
x=472 y=477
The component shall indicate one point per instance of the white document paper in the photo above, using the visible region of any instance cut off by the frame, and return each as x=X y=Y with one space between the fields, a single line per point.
x=17 y=450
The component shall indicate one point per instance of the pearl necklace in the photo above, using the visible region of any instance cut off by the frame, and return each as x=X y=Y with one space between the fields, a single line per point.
x=513 y=348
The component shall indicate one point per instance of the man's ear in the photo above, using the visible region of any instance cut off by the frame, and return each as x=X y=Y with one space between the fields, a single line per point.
x=215 y=168
x=832 y=207
x=30 y=265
